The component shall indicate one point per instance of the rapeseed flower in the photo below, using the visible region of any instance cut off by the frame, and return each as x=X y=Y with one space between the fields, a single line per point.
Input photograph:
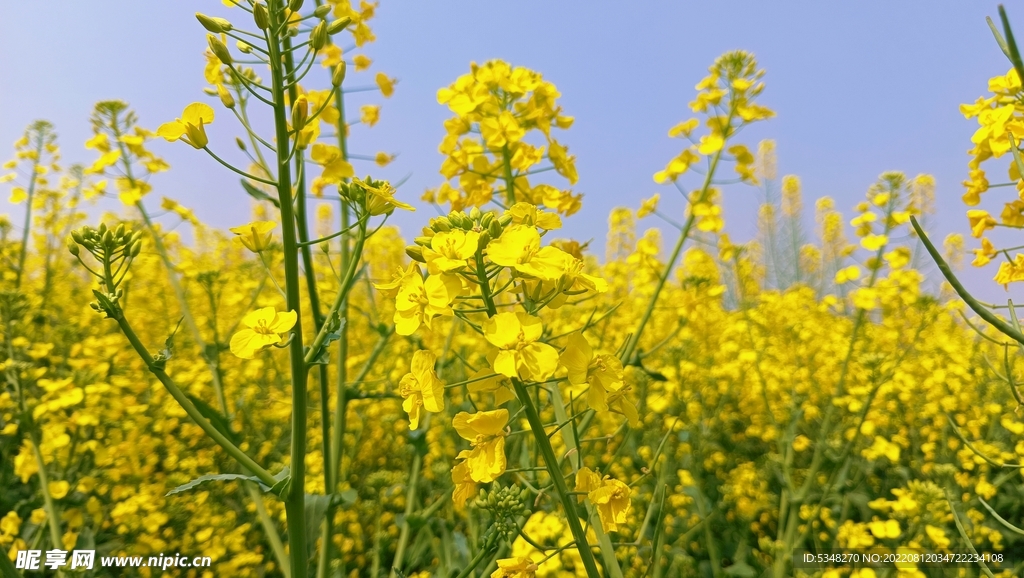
x=263 y=328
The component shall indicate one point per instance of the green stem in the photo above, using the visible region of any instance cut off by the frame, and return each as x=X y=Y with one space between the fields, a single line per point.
x=23 y=250
x=410 y=500
x=568 y=503
x=295 y=501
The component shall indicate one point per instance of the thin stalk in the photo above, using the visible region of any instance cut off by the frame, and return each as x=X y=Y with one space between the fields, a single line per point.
x=568 y=503
x=23 y=250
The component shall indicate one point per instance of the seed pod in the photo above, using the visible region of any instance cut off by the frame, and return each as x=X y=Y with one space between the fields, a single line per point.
x=338 y=76
x=415 y=252
x=214 y=24
x=225 y=97
x=295 y=5
x=259 y=14
x=73 y=247
x=321 y=12
x=218 y=49
x=338 y=25
x=318 y=37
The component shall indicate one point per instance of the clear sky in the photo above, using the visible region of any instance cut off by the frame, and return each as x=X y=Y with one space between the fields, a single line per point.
x=859 y=88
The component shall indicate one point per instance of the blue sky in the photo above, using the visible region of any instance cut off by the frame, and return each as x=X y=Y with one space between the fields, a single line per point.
x=859 y=88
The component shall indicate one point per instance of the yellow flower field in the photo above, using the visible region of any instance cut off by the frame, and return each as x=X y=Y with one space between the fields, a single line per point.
x=313 y=394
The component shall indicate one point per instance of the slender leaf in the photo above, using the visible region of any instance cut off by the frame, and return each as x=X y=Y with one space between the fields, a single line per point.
x=211 y=478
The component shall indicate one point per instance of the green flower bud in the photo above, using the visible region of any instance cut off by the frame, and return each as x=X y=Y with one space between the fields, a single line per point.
x=240 y=143
x=218 y=49
x=505 y=220
x=321 y=12
x=76 y=235
x=441 y=224
x=300 y=112
x=225 y=97
x=318 y=37
x=101 y=229
x=295 y=5
x=260 y=15
x=119 y=231
x=455 y=218
x=107 y=239
x=73 y=247
x=415 y=252
x=214 y=24
x=494 y=229
x=338 y=76
x=338 y=25
x=422 y=241
x=485 y=220
x=136 y=249
x=243 y=47
x=474 y=213
x=482 y=242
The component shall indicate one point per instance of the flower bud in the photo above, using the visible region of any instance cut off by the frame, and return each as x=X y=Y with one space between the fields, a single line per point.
x=76 y=235
x=338 y=76
x=136 y=248
x=214 y=24
x=415 y=252
x=295 y=5
x=338 y=25
x=243 y=47
x=485 y=220
x=474 y=213
x=119 y=231
x=300 y=111
x=240 y=143
x=483 y=240
x=136 y=236
x=225 y=97
x=73 y=246
x=505 y=220
x=440 y=224
x=321 y=12
x=494 y=229
x=218 y=49
x=107 y=239
x=260 y=15
x=318 y=37
x=423 y=241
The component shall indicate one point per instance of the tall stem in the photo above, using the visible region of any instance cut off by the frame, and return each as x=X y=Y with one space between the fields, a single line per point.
x=551 y=462
x=28 y=212
x=295 y=501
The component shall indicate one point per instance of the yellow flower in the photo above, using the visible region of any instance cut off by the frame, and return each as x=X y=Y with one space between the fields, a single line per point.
x=519 y=248
x=256 y=235
x=58 y=489
x=886 y=529
x=485 y=431
x=874 y=242
x=648 y=206
x=263 y=328
x=449 y=250
x=520 y=355
x=190 y=127
x=419 y=301
x=381 y=199
x=386 y=85
x=421 y=388
x=603 y=373
x=518 y=567
x=980 y=222
x=529 y=214
x=610 y=497
x=983 y=255
x=370 y=114
x=465 y=487
x=1010 y=272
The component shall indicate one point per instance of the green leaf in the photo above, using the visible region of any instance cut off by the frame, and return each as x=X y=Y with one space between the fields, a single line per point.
x=316 y=509
x=258 y=194
x=347 y=497
x=217 y=419
x=284 y=481
x=211 y=478
x=1011 y=44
